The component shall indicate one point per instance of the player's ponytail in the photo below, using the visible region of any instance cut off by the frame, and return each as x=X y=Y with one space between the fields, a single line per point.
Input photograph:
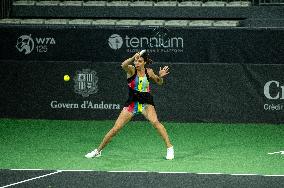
x=146 y=57
x=149 y=61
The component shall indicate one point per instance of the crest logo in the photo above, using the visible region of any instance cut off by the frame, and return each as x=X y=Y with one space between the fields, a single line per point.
x=115 y=41
x=25 y=44
x=86 y=82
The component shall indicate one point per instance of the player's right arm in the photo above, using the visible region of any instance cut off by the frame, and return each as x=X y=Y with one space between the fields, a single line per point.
x=127 y=65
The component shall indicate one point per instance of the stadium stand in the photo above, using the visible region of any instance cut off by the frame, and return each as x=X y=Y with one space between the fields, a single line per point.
x=206 y=13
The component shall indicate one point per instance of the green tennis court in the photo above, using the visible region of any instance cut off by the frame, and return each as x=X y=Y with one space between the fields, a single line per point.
x=199 y=147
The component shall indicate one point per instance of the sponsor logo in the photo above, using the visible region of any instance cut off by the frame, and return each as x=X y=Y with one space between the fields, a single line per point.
x=27 y=44
x=115 y=41
x=160 y=43
x=86 y=82
x=278 y=90
x=102 y=105
x=273 y=91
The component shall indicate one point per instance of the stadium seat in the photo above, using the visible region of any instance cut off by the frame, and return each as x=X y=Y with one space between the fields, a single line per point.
x=166 y=4
x=178 y=23
x=190 y=4
x=118 y=3
x=80 y=22
x=201 y=23
x=128 y=22
x=56 y=21
x=71 y=3
x=27 y=3
x=94 y=3
x=47 y=3
x=104 y=22
x=214 y=4
x=239 y=4
x=271 y=2
x=224 y=23
x=32 y=21
x=153 y=22
x=10 y=21
x=142 y=3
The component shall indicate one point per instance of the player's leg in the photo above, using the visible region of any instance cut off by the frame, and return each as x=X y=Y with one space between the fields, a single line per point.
x=150 y=113
x=124 y=117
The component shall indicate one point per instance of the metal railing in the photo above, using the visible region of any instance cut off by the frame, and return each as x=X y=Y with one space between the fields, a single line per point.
x=253 y=2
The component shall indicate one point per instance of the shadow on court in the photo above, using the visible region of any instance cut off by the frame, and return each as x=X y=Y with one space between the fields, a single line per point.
x=49 y=179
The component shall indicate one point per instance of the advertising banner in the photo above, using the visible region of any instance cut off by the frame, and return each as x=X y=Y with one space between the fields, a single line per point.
x=73 y=72
x=165 y=44
x=98 y=90
x=40 y=90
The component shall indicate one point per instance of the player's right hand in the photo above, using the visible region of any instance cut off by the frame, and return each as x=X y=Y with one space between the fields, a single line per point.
x=136 y=56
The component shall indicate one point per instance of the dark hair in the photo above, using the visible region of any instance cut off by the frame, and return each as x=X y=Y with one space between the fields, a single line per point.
x=146 y=58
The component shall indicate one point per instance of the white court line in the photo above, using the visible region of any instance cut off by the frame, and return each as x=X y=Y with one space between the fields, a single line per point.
x=173 y=172
x=246 y=175
x=26 y=169
x=31 y=179
x=128 y=171
x=217 y=173
x=77 y=170
x=273 y=175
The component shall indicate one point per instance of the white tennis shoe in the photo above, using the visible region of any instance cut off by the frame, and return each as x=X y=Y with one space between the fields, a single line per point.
x=170 y=153
x=93 y=154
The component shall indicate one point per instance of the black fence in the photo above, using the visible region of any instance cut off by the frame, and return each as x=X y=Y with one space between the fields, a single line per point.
x=216 y=75
x=166 y=44
x=5 y=9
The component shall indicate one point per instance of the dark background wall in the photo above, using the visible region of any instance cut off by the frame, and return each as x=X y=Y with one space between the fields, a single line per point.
x=217 y=75
x=258 y=13
x=172 y=12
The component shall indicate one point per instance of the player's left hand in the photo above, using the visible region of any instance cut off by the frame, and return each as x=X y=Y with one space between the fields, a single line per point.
x=163 y=72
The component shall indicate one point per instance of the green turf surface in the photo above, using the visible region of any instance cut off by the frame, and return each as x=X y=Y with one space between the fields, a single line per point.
x=199 y=148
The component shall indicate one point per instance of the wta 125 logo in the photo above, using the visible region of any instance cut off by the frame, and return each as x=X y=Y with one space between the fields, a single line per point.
x=27 y=44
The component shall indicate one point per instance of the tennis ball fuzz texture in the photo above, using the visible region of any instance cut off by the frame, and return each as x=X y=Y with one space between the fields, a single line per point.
x=66 y=78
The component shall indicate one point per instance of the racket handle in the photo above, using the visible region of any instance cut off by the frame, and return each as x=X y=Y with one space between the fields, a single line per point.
x=142 y=52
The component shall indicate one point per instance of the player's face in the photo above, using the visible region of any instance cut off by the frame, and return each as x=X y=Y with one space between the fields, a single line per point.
x=139 y=63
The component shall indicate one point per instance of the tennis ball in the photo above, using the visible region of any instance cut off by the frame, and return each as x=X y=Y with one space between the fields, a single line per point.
x=66 y=78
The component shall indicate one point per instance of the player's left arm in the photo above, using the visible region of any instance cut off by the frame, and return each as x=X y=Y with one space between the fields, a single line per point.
x=159 y=79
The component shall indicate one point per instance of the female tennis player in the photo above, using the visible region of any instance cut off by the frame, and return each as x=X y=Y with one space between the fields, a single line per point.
x=140 y=101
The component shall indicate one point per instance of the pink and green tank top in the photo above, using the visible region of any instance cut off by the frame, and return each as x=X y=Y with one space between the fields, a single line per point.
x=139 y=93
